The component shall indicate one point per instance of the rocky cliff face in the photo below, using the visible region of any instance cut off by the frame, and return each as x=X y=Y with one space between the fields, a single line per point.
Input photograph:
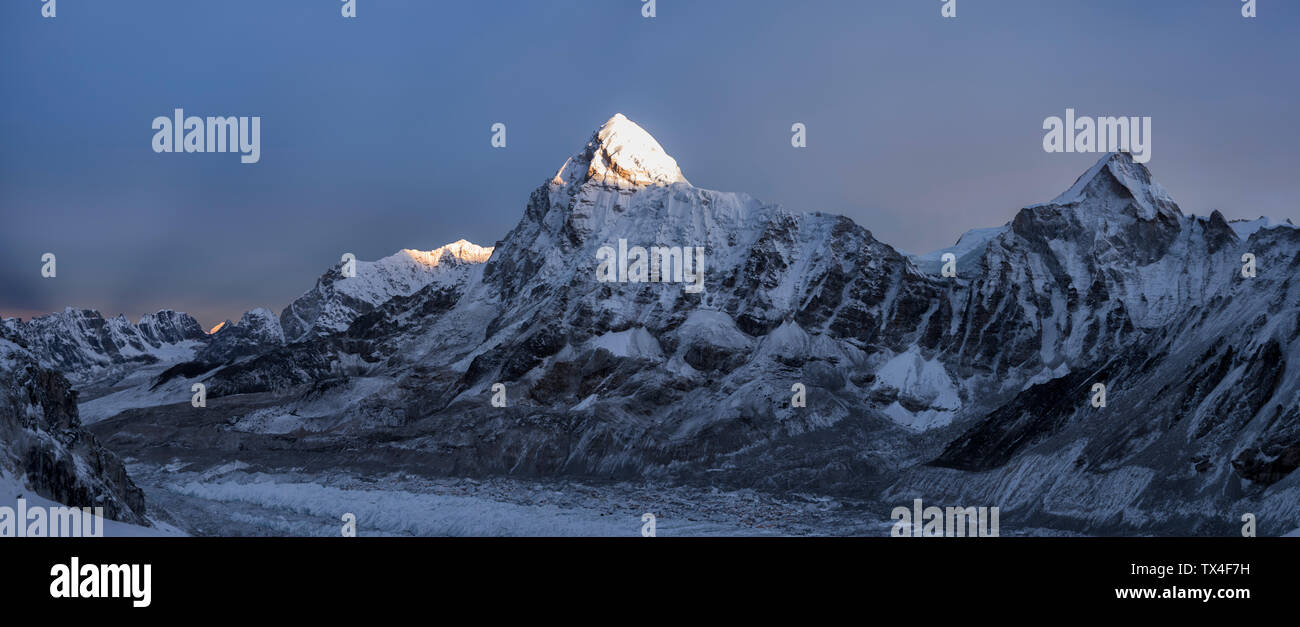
x=42 y=440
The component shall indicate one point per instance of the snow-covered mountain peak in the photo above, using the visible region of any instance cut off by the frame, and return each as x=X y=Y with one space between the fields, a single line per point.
x=459 y=251
x=408 y=270
x=620 y=154
x=257 y=315
x=337 y=300
x=1109 y=185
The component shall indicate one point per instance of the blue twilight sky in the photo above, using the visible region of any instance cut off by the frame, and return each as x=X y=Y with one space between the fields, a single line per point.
x=375 y=130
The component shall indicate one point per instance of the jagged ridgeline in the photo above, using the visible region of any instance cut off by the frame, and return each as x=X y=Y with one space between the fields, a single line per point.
x=816 y=359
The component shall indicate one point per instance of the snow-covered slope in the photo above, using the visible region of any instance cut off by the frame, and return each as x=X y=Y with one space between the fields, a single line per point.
x=336 y=300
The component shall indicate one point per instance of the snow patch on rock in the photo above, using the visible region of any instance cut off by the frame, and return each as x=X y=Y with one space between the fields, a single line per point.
x=923 y=384
x=634 y=342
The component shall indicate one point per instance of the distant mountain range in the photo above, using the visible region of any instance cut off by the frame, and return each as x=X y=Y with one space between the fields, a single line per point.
x=975 y=389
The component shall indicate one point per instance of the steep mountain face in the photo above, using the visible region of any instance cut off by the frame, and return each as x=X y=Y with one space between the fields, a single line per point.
x=1077 y=280
x=168 y=327
x=1111 y=284
x=695 y=362
x=1079 y=276
x=43 y=443
x=337 y=300
x=787 y=298
x=796 y=352
x=82 y=344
